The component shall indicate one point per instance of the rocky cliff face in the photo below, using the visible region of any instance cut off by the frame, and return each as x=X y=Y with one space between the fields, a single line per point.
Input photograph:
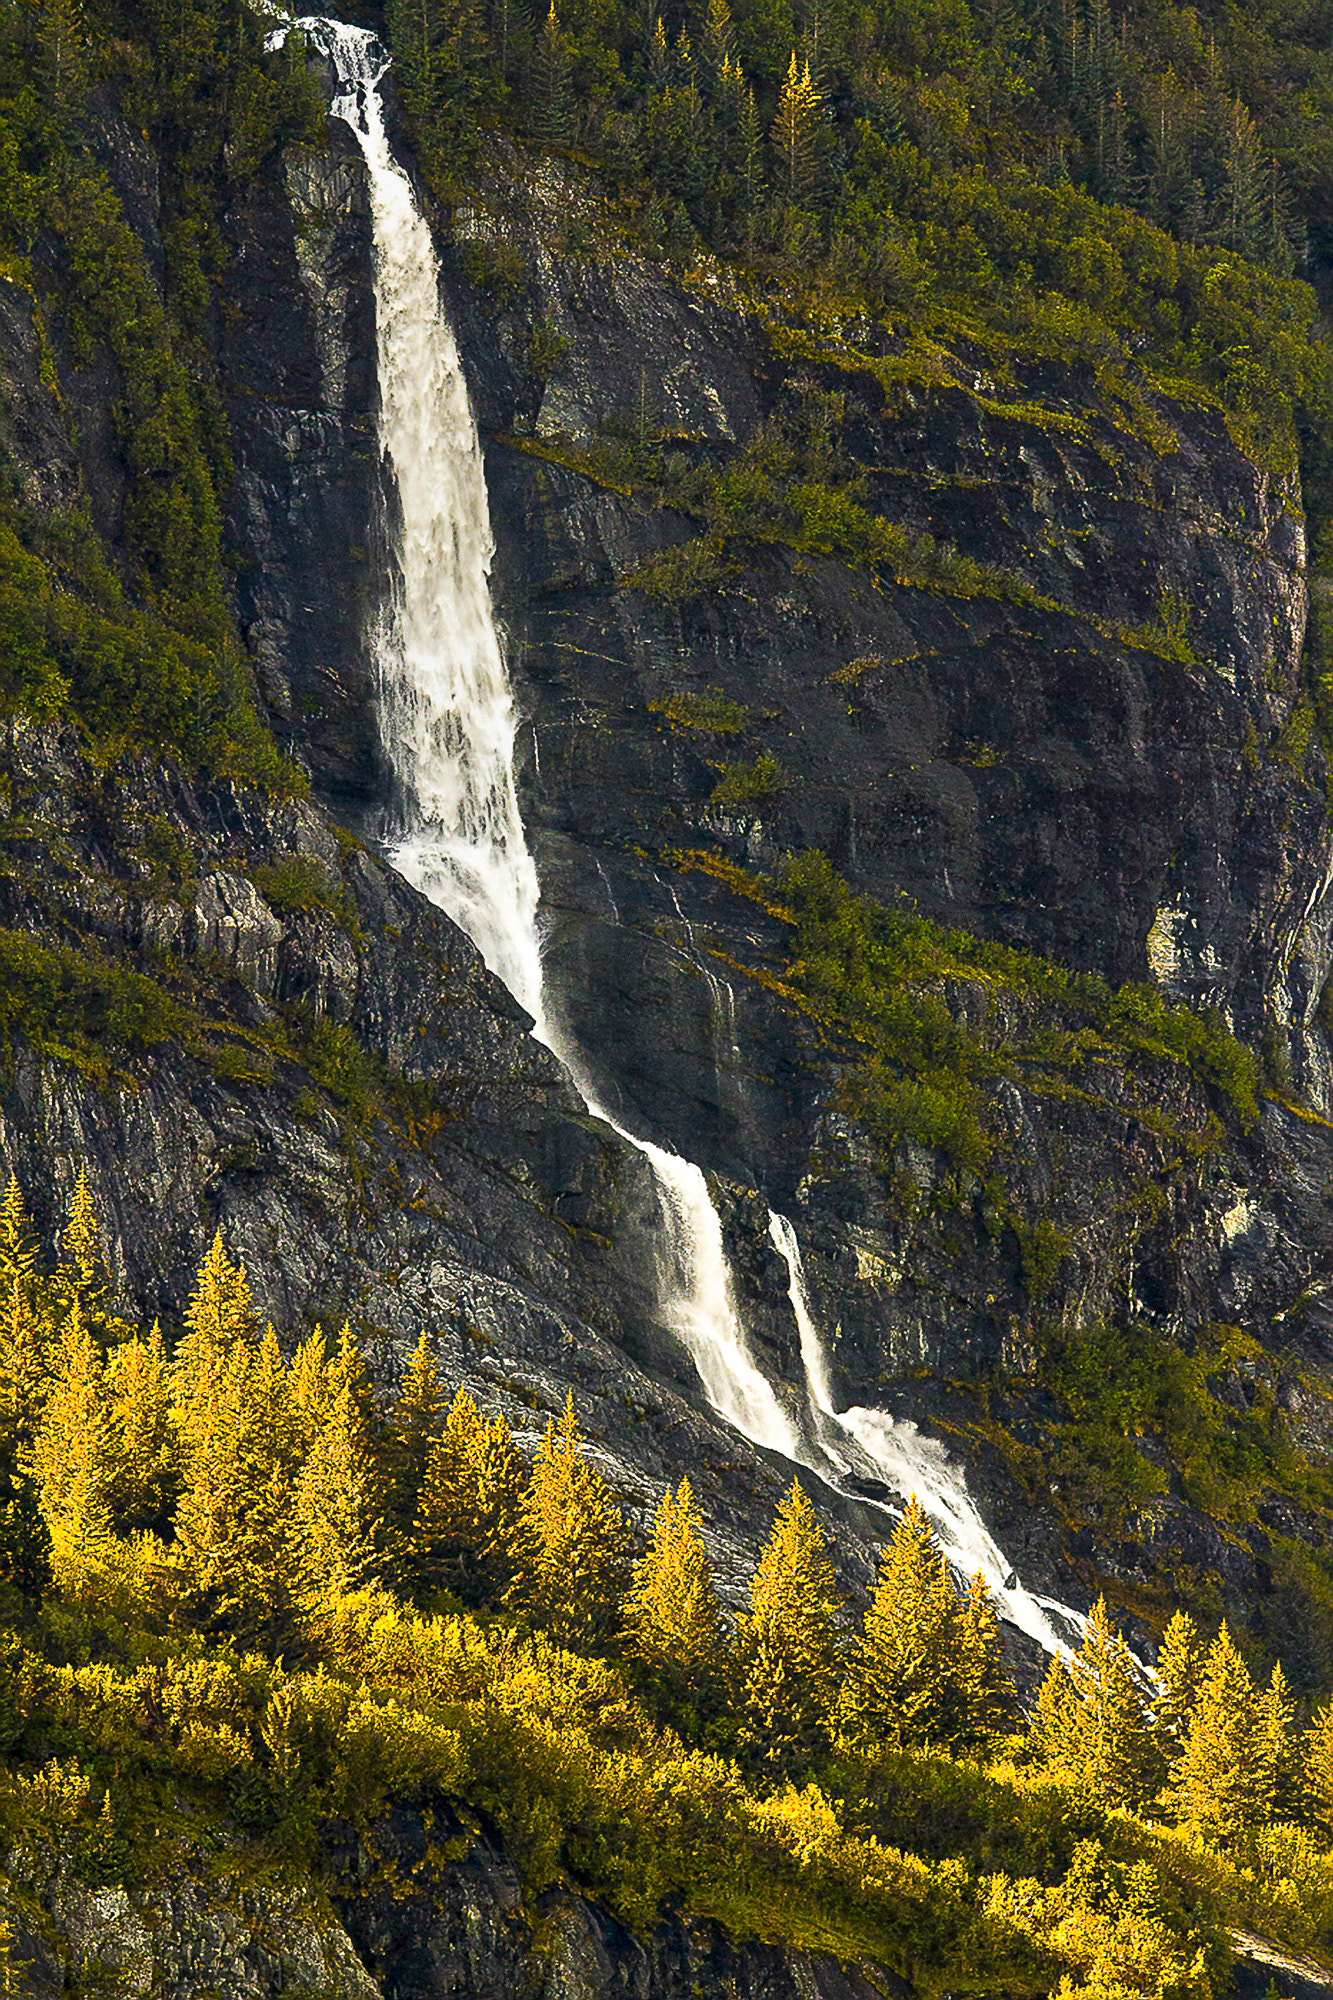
x=1107 y=762
x=425 y=1906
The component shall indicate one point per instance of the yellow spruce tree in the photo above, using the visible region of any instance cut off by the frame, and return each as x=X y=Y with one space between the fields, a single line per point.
x=308 y=1389
x=418 y=1416
x=73 y=1460
x=1179 y=1670
x=795 y=133
x=82 y=1275
x=138 y=1377
x=571 y=1575
x=470 y=1534
x=1093 y=1724
x=1316 y=1762
x=233 y=1516
x=673 y=1621
x=18 y=1245
x=221 y=1312
x=1224 y=1783
x=902 y=1683
x=25 y=1361
x=788 y=1645
x=336 y=1538
x=987 y=1698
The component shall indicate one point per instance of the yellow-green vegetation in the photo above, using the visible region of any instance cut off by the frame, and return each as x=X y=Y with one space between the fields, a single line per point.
x=236 y=1586
x=294 y=885
x=752 y=784
x=708 y=711
x=890 y=986
x=793 y=483
x=140 y=650
x=945 y=199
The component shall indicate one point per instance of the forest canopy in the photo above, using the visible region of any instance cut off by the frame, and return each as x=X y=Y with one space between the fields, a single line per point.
x=233 y=1581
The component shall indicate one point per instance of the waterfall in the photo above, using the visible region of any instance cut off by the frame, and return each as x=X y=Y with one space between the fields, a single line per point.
x=449 y=723
x=449 y=726
x=895 y=1451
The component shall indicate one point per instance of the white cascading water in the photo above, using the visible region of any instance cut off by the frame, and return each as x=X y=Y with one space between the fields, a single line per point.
x=894 y=1451
x=449 y=725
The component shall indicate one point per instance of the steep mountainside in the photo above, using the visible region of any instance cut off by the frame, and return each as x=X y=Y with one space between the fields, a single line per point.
x=923 y=749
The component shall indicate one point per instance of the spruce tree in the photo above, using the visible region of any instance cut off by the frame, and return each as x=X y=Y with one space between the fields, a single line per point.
x=902 y=1674
x=548 y=84
x=987 y=1700
x=336 y=1536
x=25 y=1542
x=25 y=1351
x=795 y=133
x=471 y=1535
x=308 y=1388
x=18 y=1247
x=1179 y=1671
x=1277 y=1716
x=233 y=1518
x=73 y=1459
x=571 y=1577
x=673 y=1621
x=139 y=1388
x=220 y=1313
x=1224 y=1783
x=1316 y=1757
x=416 y=1423
x=1093 y=1723
x=82 y=1272
x=789 y=1643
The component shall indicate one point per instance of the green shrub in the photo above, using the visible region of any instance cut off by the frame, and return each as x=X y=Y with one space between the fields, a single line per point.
x=753 y=784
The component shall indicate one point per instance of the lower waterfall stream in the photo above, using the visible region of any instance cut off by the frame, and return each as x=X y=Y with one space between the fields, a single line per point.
x=449 y=726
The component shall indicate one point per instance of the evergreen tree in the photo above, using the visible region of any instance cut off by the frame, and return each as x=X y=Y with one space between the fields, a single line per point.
x=902 y=1675
x=308 y=1389
x=1316 y=1756
x=789 y=1642
x=571 y=1578
x=146 y=1450
x=25 y=1542
x=1179 y=1671
x=471 y=1534
x=73 y=1459
x=1093 y=1724
x=1277 y=1743
x=718 y=43
x=417 y=1419
x=795 y=133
x=673 y=1621
x=548 y=85
x=232 y=1520
x=220 y=1313
x=1224 y=1782
x=82 y=1272
x=18 y=1247
x=24 y=1367
x=987 y=1701
x=336 y=1535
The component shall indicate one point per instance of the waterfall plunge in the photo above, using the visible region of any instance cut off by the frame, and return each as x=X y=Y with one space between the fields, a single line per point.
x=859 y=1440
x=449 y=723
x=449 y=726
